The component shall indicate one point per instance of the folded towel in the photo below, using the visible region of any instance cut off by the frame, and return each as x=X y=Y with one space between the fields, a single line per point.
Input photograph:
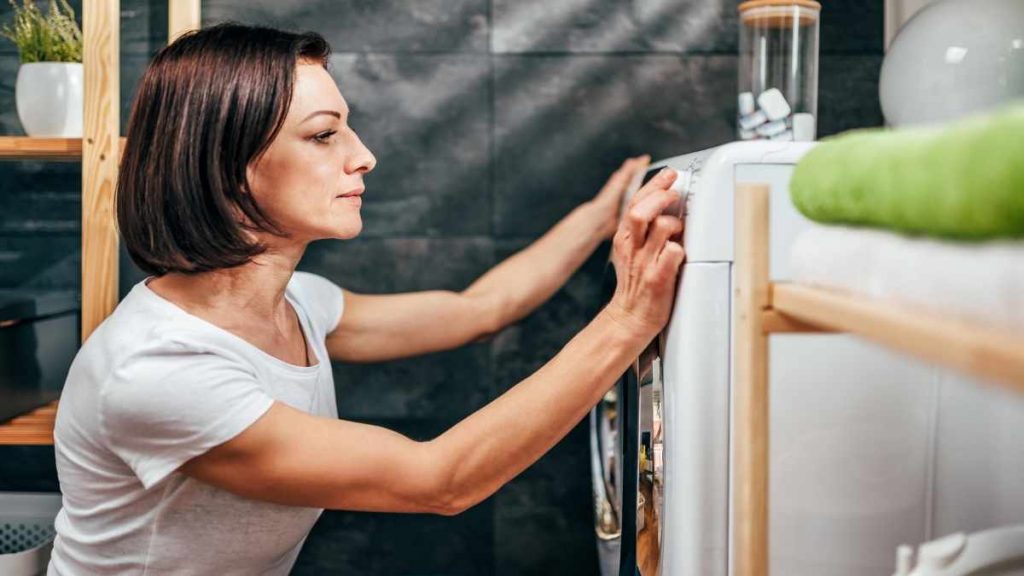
x=963 y=180
x=976 y=281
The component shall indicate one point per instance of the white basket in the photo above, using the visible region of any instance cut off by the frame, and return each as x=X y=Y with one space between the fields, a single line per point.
x=26 y=532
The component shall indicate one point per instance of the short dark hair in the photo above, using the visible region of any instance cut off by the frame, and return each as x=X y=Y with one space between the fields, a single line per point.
x=208 y=105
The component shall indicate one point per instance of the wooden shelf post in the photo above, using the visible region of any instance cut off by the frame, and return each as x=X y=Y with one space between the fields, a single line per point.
x=182 y=16
x=101 y=22
x=751 y=417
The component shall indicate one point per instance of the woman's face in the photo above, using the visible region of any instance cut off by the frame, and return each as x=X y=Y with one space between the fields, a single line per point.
x=310 y=179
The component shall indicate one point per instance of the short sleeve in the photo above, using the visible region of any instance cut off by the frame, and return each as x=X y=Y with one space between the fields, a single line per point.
x=168 y=404
x=322 y=299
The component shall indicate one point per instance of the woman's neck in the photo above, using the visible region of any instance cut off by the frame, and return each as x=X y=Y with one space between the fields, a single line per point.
x=255 y=289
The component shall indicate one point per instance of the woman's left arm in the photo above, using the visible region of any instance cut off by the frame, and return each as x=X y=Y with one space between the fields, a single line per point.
x=375 y=328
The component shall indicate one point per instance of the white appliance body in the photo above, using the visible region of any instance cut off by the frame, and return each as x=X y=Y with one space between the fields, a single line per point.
x=853 y=435
x=869 y=449
x=851 y=425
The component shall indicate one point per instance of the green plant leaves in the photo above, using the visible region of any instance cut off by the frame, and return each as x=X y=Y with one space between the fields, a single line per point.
x=50 y=36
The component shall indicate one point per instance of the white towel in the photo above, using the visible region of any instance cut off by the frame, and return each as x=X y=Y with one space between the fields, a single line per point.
x=980 y=282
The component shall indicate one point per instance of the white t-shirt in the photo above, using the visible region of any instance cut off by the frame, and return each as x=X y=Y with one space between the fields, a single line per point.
x=153 y=387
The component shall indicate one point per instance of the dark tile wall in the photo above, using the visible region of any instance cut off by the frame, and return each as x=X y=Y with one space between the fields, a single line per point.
x=490 y=119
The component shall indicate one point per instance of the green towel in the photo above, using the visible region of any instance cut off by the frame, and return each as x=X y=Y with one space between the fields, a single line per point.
x=964 y=180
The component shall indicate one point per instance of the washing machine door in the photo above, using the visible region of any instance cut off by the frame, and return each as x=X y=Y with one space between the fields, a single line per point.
x=626 y=449
x=626 y=441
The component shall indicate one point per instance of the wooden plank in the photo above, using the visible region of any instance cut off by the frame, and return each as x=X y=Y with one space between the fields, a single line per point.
x=33 y=428
x=53 y=149
x=993 y=354
x=40 y=439
x=32 y=419
x=26 y=148
x=750 y=425
x=182 y=16
x=775 y=322
x=100 y=154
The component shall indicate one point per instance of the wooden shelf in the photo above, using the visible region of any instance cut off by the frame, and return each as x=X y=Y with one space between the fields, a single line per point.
x=34 y=428
x=99 y=158
x=972 y=348
x=27 y=148
x=764 y=308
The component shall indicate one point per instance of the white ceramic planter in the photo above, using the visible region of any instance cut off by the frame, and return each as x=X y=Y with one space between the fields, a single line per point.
x=49 y=99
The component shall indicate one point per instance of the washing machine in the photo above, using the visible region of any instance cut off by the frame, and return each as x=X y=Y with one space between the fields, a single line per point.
x=856 y=464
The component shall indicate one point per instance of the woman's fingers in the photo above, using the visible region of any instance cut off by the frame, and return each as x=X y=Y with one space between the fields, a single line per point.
x=619 y=178
x=663 y=228
x=646 y=258
x=644 y=212
x=622 y=177
x=662 y=180
x=671 y=258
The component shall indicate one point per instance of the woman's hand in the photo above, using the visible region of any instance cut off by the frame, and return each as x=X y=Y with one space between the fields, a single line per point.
x=647 y=258
x=608 y=201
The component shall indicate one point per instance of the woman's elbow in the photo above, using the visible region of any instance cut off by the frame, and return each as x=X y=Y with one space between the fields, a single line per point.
x=447 y=494
x=425 y=483
x=488 y=312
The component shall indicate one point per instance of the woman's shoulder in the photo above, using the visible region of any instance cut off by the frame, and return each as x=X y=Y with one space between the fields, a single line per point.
x=321 y=299
x=310 y=285
x=144 y=325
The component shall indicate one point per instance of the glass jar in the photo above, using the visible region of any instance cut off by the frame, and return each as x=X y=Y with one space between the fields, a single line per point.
x=778 y=70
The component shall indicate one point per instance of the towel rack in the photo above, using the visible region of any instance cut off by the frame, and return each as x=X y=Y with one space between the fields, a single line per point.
x=765 y=308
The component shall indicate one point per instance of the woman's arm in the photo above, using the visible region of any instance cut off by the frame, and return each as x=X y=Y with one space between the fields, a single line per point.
x=294 y=458
x=290 y=457
x=385 y=327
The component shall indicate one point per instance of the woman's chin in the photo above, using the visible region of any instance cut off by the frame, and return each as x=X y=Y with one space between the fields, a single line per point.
x=349 y=229
x=338 y=227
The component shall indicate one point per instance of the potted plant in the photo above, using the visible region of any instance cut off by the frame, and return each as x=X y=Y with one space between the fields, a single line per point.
x=48 y=91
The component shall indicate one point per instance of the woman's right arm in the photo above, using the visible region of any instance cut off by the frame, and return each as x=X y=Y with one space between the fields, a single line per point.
x=290 y=457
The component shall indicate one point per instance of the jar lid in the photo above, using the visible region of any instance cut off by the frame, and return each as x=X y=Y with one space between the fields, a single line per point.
x=751 y=4
x=779 y=13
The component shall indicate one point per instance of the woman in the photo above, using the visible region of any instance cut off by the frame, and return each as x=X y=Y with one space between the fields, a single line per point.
x=198 y=431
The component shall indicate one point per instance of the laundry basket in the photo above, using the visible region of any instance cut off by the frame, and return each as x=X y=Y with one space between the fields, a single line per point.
x=26 y=532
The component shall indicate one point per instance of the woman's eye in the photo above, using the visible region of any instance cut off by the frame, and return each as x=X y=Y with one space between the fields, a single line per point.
x=323 y=137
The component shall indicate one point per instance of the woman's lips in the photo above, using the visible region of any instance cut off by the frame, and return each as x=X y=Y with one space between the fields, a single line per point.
x=354 y=197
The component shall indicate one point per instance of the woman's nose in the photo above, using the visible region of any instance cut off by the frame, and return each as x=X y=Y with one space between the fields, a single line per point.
x=362 y=160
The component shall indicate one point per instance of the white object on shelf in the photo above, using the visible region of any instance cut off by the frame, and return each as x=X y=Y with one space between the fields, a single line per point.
x=995 y=551
x=904 y=560
x=26 y=532
x=752 y=121
x=939 y=553
x=786 y=136
x=804 y=127
x=772 y=128
x=953 y=59
x=774 y=104
x=746 y=103
x=48 y=96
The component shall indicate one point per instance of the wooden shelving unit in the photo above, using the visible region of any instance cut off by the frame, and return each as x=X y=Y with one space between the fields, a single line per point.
x=53 y=149
x=765 y=308
x=26 y=148
x=99 y=150
x=991 y=353
x=32 y=429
